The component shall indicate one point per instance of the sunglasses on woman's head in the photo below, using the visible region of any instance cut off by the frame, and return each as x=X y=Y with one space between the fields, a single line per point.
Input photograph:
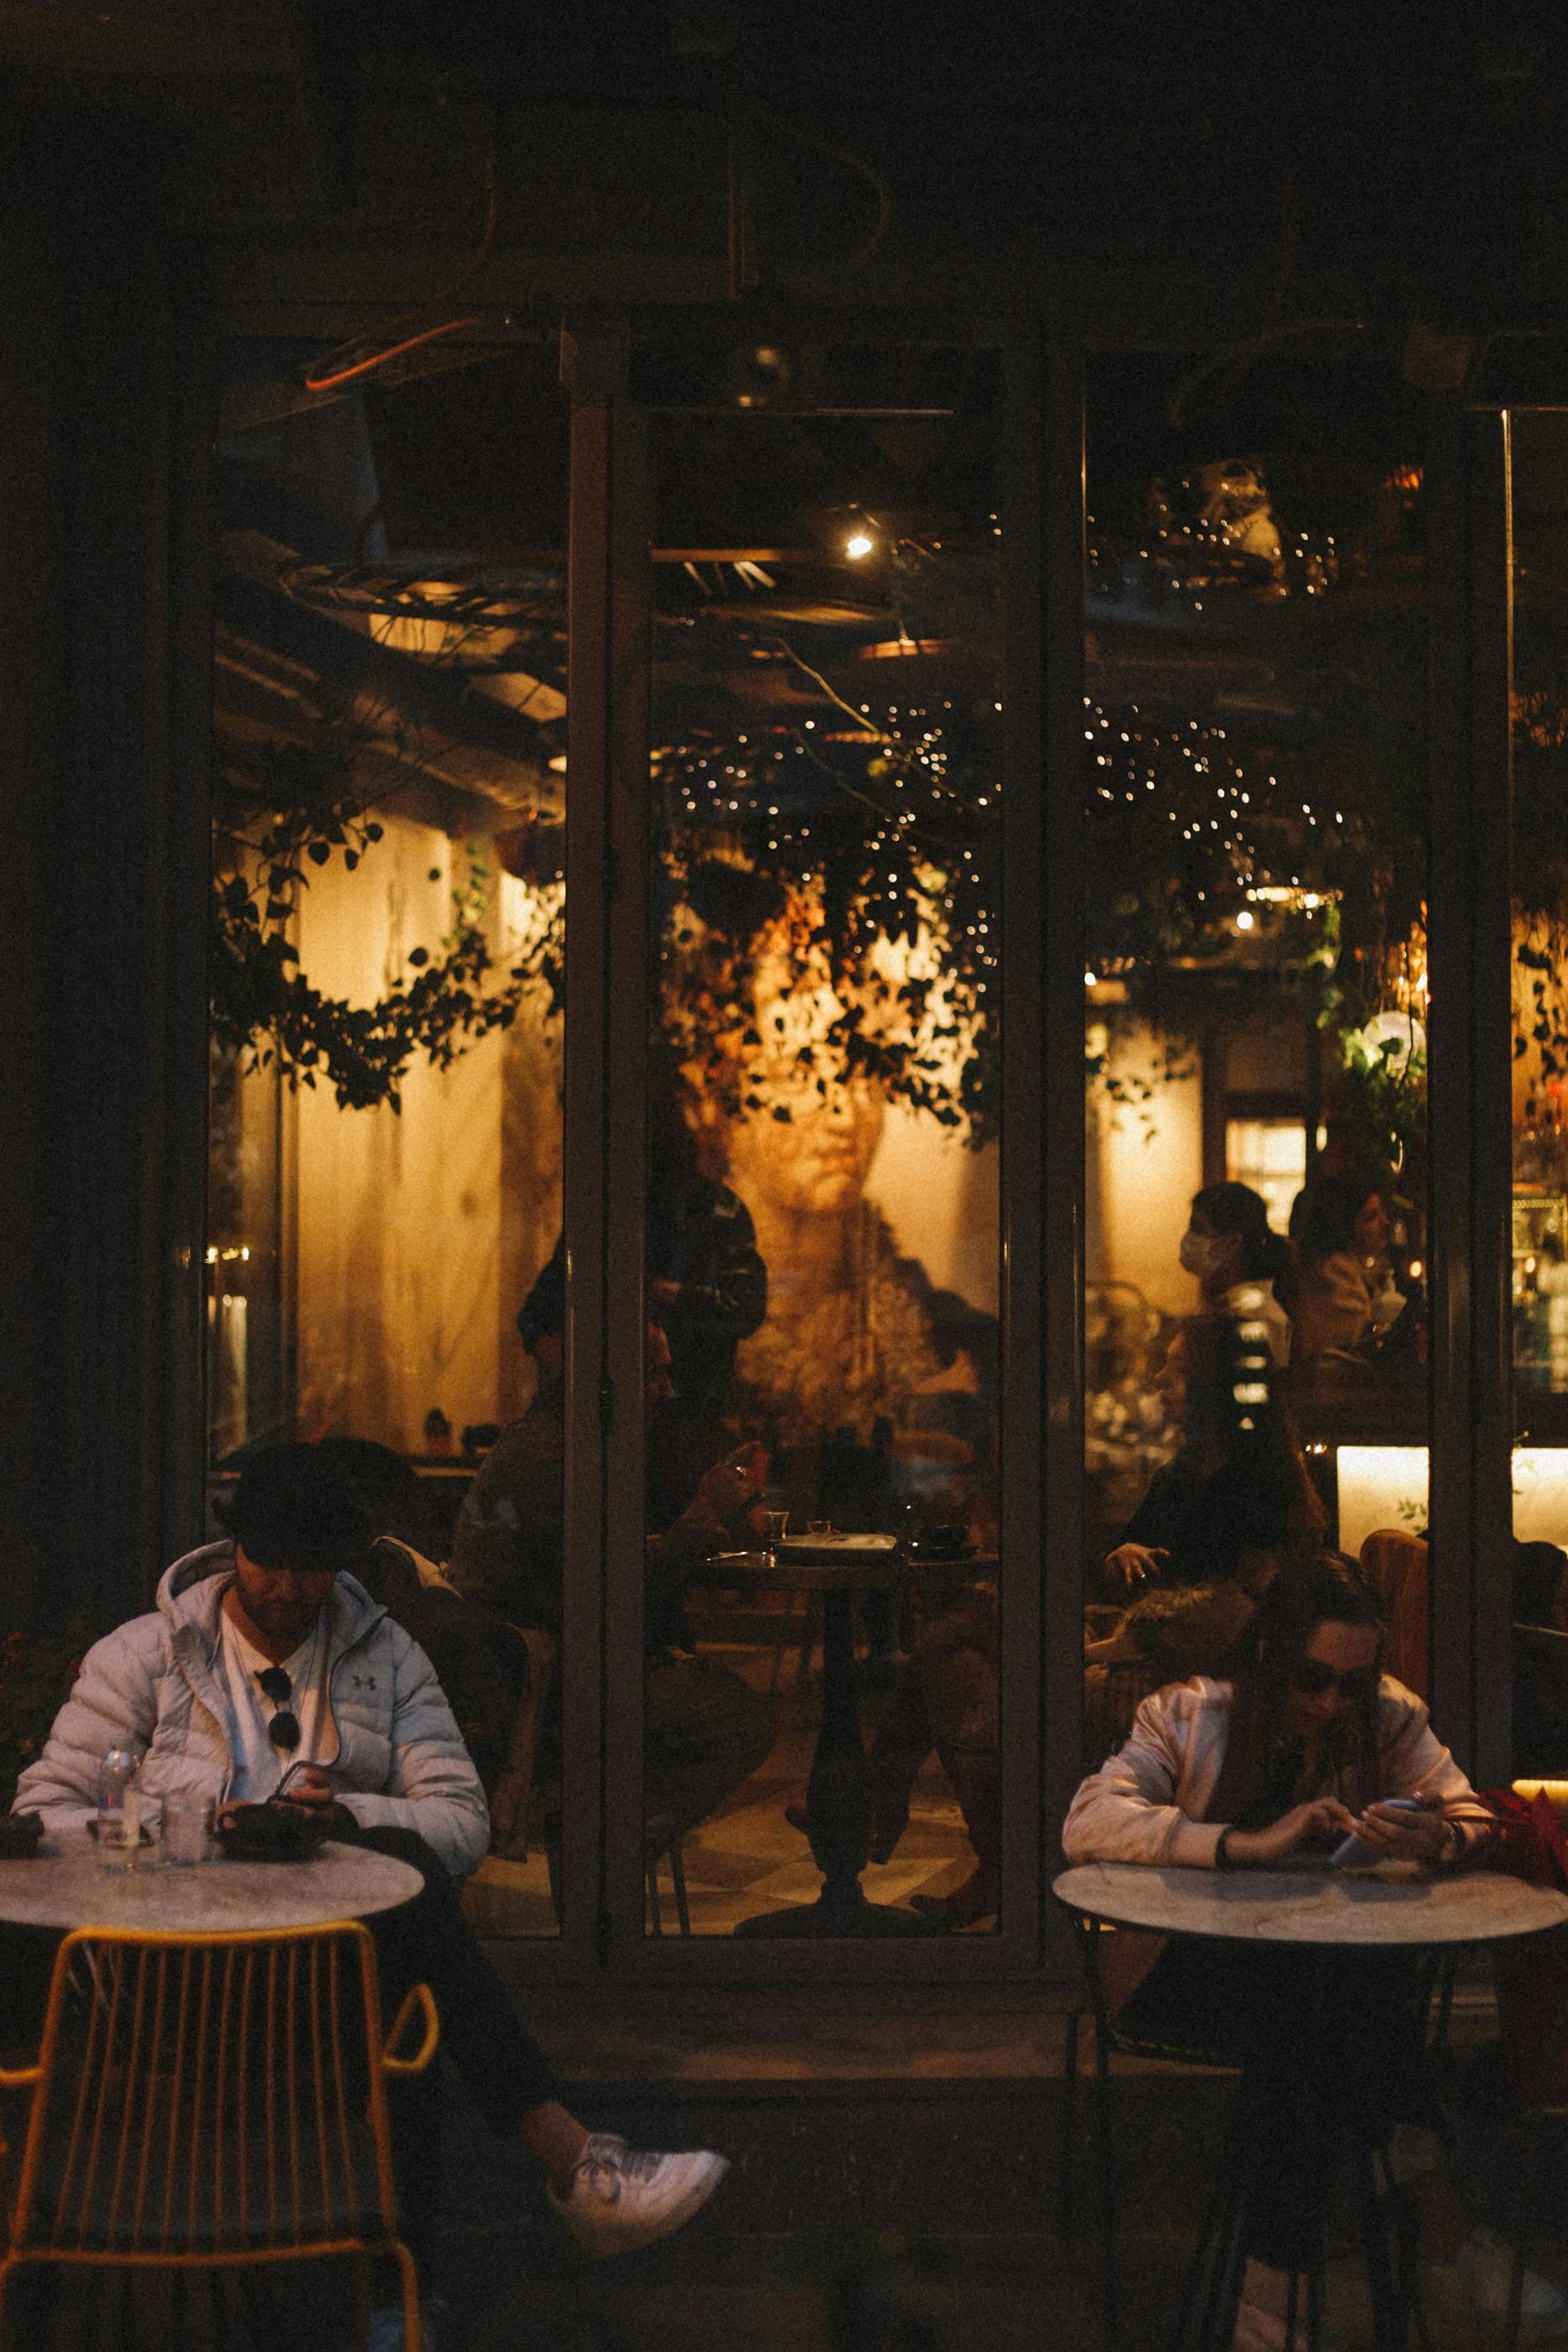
x=284 y=1728
x=1313 y=1676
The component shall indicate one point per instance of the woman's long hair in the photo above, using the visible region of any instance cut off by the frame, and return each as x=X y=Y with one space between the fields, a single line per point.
x=1323 y=1214
x=1262 y=1762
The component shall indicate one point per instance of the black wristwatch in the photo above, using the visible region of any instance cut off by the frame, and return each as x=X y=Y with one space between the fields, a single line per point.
x=1222 y=1854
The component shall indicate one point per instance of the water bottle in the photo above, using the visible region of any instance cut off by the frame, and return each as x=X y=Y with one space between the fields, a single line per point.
x=118 y=1811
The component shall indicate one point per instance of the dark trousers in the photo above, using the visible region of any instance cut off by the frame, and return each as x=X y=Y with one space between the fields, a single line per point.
x=429 y=1941
x=1330 y=2046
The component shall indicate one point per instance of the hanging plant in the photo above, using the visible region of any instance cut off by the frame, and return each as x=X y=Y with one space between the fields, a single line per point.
x=291 y=811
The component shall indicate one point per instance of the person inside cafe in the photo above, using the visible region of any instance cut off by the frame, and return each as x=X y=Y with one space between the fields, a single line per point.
x=1304 y=1745
x=1345 y=1301
x=267 y=1675
x=705 y=1729
x=1236 y=1500
x=1243 y=1266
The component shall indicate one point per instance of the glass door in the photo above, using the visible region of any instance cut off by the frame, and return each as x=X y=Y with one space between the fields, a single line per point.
x=810 y=1618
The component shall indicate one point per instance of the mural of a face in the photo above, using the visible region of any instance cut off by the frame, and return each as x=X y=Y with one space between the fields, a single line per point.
x=816 y=1162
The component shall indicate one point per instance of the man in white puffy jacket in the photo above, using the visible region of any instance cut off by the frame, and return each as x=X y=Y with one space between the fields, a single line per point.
x=268 y=1675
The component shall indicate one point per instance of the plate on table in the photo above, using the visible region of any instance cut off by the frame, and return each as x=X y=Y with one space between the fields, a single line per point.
x=847 y=1547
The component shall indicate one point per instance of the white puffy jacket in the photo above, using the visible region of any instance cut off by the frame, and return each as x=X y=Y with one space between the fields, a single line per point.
x=1147 y=1802
x=157 y=1685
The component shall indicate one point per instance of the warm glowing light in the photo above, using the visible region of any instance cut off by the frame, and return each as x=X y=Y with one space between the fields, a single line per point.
x=859 y=543
x=1244 y=921
x=1091 y=980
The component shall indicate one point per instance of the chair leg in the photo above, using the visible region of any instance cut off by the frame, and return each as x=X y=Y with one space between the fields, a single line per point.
x=1067 y=2203
x=413 y=2330
x=1106 y=2154
x=362 y=2299
x=677 y=1880
x=655 y=1911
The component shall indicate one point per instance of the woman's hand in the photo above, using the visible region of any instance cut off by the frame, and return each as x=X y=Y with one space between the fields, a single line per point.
x=1135 y=1563
x=1320 y=1817
x=1405 y=1837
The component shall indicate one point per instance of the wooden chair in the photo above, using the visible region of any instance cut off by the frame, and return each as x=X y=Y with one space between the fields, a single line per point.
x=1396 y=1563
x=212 y=2101
x=510 y=1806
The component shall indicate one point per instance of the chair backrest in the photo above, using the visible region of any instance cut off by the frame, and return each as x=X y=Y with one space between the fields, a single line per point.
x=1396 y=1564
x=203 y=2092
x=513 y=1791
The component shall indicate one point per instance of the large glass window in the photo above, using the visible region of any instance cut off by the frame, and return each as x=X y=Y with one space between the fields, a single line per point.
x=822 y=1601
x=1538 y=454
x=1255 y=1003
x=388 y=925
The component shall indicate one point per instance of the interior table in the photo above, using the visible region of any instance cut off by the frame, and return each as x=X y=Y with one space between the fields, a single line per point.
x=1395 y=1905
x=62 y=1887
x=839 y=1793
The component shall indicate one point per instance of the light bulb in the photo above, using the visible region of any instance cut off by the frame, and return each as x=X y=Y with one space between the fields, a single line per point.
x=859 y=543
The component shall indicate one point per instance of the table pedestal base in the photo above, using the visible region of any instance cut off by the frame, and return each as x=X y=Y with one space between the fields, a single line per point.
x=839 y=1911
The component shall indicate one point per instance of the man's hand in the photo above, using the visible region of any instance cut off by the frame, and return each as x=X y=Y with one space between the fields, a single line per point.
x=1135 y=1563
x=1404 y=1837
x=1319 y=1818
x=312 y=1791
x=729 y=1486
x=664 y=1290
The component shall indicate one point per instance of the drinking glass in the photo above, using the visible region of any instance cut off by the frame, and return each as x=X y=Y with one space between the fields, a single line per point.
x=775 y=1527
x=187 y=1831
x=149 y=1845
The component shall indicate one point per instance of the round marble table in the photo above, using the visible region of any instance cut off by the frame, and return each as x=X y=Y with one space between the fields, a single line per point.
x=62 y=1887
x=1394 y=1904
x=1322 y=1912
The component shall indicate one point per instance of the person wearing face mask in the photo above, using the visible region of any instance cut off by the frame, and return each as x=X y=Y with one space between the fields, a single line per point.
x=1239 y=1260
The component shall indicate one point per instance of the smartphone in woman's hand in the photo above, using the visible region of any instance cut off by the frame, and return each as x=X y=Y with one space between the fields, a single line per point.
x=1354 y=1853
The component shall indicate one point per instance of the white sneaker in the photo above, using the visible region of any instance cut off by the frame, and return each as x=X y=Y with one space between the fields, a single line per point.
x=623 y=2197
x=1486 y=2262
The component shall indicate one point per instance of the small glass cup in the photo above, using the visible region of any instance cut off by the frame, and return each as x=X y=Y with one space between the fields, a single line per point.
x=187 y=1831
x=775 y=1527
x=150 y=1843
x=819 y=1528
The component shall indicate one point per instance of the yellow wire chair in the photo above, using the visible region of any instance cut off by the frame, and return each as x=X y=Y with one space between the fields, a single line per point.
x=214 y=2101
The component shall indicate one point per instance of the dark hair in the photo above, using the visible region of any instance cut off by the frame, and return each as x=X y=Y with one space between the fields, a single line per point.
x=1538 y=1570
x=543 y=1313
x=1323 y=1213
x=1237 y=1209
x=1329 y=1590
x=295 y=1508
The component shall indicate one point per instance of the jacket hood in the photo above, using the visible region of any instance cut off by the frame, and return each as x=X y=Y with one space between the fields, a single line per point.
x=190 y=1595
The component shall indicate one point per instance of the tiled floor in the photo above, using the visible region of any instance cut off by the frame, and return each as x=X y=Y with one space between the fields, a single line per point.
x=746 y=1859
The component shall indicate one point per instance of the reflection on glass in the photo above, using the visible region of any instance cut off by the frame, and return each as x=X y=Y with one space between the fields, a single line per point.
x=1539 y=456
x=384 y=1179
x=1256 y=1009
x=823 y=1222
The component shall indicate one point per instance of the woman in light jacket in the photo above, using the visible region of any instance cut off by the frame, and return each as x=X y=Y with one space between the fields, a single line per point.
x=1305 y=1746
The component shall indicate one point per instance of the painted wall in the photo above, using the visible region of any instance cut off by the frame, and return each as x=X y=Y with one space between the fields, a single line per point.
x=1144 y=1163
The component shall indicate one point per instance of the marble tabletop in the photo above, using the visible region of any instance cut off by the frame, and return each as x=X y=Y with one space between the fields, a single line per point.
x=62 y=1887
x=1396 y=1903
